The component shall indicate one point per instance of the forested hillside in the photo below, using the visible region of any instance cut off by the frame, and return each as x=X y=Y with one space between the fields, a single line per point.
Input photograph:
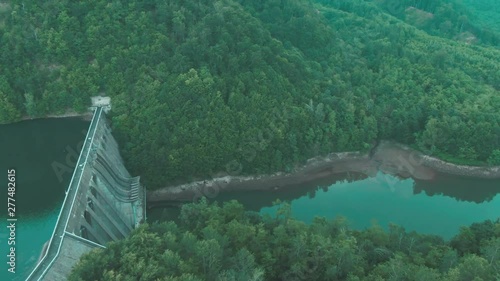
x=469 y=21
x=242 y=86
x=228 y=244
x=486 y=13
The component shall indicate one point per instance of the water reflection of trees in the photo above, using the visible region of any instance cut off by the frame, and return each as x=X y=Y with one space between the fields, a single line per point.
x=460 y=188
x=255 y=200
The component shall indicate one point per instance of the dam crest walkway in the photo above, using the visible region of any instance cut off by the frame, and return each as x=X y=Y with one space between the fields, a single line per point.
x=103 y=203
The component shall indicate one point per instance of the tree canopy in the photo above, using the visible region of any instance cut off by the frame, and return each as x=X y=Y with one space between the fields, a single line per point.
x=202 y=87
x=212 y=242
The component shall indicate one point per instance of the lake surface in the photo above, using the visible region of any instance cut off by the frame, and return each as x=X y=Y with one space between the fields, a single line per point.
x=386 y=199
x=438 y=207
x=43 y=153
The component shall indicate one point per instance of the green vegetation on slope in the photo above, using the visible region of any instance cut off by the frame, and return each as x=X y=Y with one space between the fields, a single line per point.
x=486 y=13
x=200 y=87
x=227 y=243
x=466 y=20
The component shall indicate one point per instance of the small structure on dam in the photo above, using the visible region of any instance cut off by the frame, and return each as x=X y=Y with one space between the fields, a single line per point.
x=103 y=203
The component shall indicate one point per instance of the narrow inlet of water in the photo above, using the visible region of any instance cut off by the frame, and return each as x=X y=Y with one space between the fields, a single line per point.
x=439 y=206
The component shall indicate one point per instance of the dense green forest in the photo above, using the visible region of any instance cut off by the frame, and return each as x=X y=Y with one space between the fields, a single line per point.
x=466 y=20
x=247 y=86
x=228 y=244
x=486 y=14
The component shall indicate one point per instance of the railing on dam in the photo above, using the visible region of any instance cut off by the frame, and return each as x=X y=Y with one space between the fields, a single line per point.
x=55 y=243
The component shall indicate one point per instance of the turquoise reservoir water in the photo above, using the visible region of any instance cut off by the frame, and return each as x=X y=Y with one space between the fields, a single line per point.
x=439 y=206
x=386 y=199
x=43 y=153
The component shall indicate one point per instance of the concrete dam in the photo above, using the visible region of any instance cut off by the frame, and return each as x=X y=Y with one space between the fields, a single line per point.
x=103 y=203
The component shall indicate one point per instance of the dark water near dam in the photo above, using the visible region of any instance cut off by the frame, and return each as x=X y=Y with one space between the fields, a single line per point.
x=43 y=153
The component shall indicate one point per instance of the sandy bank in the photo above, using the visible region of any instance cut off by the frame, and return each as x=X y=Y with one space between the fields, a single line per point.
x=387 y=157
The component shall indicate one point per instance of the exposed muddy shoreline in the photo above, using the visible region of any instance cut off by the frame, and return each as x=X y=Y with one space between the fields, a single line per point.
x=85 y=116
x=388 y=157
x=438 y=165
